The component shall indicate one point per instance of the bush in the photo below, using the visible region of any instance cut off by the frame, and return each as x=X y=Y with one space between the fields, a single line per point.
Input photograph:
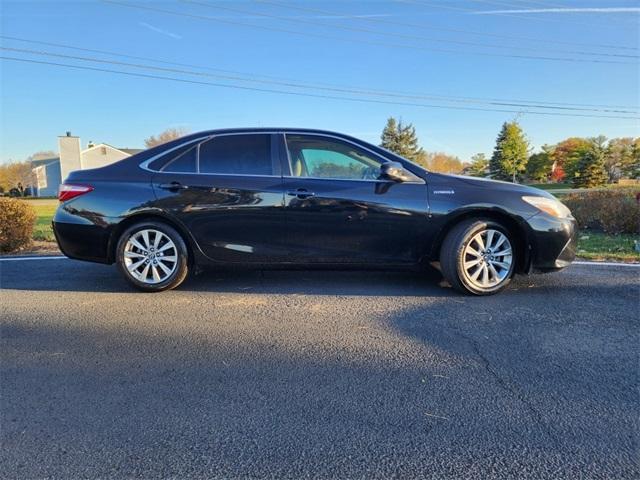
x=16 y=224
x=612 y=211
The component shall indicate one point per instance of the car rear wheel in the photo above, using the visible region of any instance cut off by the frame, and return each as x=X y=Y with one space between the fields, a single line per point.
x=152 y=256
x=478 y=257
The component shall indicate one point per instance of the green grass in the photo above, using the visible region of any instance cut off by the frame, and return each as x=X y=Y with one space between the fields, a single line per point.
x=550 y=186
x=42 y=229
x=600 y=246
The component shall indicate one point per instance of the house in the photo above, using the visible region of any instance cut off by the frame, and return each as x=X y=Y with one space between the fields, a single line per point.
x=50 y=172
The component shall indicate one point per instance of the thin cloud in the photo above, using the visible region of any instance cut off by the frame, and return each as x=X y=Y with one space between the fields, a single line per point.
x=564 y=10
x=175 y=36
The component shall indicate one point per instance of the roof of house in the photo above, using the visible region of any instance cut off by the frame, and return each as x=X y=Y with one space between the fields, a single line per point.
x=131 y=151
x=43 y=161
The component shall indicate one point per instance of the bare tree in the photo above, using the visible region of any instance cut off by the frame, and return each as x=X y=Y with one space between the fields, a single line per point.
x=166 y=136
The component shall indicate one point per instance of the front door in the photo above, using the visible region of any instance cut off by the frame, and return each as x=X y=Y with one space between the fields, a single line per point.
x=339 y=211
x=228 y=192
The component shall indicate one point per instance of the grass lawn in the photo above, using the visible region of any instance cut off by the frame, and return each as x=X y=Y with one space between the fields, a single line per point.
x=550 y=186
x=600 y=246
x=591 y=245
x=42 y=229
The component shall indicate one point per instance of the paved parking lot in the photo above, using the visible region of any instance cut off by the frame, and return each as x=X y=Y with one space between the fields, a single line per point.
x=317 y=375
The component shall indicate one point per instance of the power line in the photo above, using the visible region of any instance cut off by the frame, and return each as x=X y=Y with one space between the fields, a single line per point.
x=455 y=30
x=368 y=42
x=388 y=34
x=304 y=94
x=503 y=14
x=318 y=86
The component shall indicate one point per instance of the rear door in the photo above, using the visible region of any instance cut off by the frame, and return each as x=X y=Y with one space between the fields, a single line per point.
x=339 y=211
x=228 y=191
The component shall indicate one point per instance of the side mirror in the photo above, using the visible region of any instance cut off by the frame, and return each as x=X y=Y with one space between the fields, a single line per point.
x=395 y=172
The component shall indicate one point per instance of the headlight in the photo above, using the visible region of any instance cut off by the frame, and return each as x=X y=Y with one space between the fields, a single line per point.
x=549 y=205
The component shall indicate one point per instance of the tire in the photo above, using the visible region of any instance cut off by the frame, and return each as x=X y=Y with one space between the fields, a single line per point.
x=147 y=242
x=465 y=270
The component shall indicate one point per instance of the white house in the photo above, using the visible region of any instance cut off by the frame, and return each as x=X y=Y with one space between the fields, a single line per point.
x=50 y=172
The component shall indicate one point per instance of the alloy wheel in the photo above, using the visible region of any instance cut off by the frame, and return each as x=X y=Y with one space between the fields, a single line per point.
x=487 y=259
x=150 y=256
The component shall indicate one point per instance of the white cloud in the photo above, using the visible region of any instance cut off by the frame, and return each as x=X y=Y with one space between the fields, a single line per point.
x=563 y=10
x=175 y=36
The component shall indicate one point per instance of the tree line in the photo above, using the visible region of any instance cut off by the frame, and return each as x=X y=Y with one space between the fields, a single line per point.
x=580 y=162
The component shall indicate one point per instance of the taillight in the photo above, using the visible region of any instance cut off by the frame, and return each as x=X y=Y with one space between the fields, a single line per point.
x=67 y=191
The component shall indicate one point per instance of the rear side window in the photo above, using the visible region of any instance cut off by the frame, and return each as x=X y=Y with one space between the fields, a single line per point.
x=183 y=163
x=237 y=154
x=182 y=159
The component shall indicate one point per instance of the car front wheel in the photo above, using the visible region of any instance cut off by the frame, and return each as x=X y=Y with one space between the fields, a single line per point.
x=478 y=257
x=152 y=256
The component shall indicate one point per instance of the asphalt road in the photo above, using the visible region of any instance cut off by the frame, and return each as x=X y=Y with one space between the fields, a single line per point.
x=317 y=375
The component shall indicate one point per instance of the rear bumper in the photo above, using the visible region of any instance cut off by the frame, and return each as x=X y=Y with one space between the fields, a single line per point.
x=83 y=237
x=554 y=242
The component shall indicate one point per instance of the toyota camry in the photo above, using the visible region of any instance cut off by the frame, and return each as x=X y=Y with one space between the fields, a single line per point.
x=283 y=198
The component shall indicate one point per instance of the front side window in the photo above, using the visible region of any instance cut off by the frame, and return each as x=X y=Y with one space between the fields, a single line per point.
x=322 y=157
x=248 y=154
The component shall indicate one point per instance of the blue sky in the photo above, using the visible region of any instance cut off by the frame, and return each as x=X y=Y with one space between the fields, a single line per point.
x=429 y=49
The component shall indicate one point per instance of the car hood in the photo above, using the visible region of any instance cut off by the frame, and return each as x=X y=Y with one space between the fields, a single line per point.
x=493 y=184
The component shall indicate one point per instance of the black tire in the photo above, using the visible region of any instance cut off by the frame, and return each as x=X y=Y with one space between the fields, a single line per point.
x=452 y=256
x=180 y=270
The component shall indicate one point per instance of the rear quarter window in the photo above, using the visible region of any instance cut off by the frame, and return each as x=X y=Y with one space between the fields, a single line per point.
x=182 y=159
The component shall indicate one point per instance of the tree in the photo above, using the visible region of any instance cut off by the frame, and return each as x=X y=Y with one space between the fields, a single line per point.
x=510 y=154
x=402 y=140
x=479 y=166
x=633 y=170
x=566 y=155
x=591 y=171
x=16 y=176
x=620 y=157
x=164 y=137
x=443 y=163
x=540 y=165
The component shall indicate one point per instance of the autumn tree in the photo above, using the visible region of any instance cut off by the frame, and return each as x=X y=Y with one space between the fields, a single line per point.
x=164 y=137
x=510 y=154
x=16 y=175
x=443 y=163
x=479 y=166
x=566 y=155
x=402 y=140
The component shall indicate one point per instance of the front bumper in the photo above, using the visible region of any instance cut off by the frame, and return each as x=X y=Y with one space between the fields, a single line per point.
x=554 y=242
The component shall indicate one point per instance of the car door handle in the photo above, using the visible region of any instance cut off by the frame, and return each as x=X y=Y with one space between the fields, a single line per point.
x=174 y=186
x=301 y=193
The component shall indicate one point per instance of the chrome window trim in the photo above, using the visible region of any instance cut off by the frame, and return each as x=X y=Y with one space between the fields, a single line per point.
x=145 y=165
x=384 y=159
x=421 y=182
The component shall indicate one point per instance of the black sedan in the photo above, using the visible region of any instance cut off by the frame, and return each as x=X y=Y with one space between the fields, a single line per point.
x=306 y=198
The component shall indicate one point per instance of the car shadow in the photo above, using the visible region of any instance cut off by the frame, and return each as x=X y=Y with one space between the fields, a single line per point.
x=73 y=276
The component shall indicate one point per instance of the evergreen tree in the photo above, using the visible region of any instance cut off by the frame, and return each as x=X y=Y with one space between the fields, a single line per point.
x=510 y=154
x=479 y=165
x=389 y=135
x=591 y=170
x=402 y=140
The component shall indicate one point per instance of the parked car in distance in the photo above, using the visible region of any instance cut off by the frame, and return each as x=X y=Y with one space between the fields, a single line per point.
x=306 y=198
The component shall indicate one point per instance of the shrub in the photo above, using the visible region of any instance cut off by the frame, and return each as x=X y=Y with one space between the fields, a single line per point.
x=16 y=224
x=612 y=211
